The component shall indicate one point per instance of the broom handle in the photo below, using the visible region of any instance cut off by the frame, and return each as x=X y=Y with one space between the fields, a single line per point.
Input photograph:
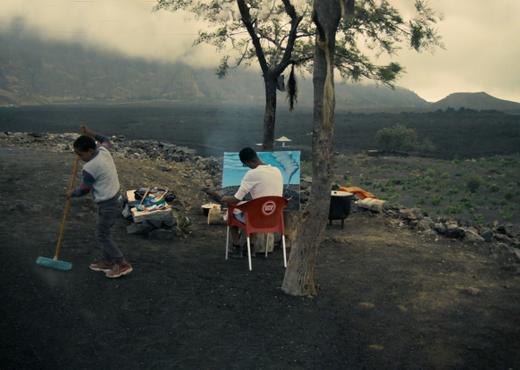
x=67 y=208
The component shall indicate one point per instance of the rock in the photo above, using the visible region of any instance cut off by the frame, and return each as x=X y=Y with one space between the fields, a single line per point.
x=21 y=206
x=411 y=214
x=515 y=252
x=425 y=224
x=453 y=230
x=366 y=305
x=486 y=234
x=63 y=147
x=504 y=229
x=36 y=134
x=471 y=235
x=440 y=228
x=161 y=234
x=503 y=238
x=171 y=222
x=500 y=246
x=154 y=223
x=471 y=291
x=430 y=232
x=375 y=205
x=139 y=229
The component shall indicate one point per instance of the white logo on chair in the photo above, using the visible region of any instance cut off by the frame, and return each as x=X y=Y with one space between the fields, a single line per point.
x=268 y=208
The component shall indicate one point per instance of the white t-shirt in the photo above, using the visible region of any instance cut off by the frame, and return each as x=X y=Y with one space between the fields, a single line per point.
x=262 y=181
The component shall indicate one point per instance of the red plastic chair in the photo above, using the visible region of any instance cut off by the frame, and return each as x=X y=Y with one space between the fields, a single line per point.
x=261 y=215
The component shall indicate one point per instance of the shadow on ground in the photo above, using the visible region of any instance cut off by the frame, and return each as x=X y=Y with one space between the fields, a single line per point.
x=388 y=299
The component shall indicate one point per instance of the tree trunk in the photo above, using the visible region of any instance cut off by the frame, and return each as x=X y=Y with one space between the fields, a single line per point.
x=299 y=276
x=270 y=112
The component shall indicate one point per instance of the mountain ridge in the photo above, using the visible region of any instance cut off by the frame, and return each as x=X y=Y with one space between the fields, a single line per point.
x=38 y=72
x=475 y=100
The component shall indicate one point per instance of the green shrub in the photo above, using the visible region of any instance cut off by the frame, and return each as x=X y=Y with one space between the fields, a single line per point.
x=479 y=218
x=436 y=200
x=396 y=138
x=473 y=183
x=506 y=214
x=454 y=209
x=426 y=146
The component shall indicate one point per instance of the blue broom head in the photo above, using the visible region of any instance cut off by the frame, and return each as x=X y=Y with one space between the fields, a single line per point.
x=54 y=264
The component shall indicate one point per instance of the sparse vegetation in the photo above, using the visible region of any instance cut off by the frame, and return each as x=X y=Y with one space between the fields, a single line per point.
x=473 y=183
x=482 y=190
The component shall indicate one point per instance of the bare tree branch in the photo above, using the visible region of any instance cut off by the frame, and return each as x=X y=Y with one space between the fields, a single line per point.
x=249 y=24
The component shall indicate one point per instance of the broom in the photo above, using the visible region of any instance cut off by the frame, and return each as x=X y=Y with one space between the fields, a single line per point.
x=55 y=263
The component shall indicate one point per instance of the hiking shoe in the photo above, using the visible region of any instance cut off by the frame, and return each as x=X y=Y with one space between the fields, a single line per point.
x=118 y=270
x=102 y=265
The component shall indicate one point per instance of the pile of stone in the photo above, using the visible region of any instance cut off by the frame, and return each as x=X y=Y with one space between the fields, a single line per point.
x=500 y=237
x=137 y=149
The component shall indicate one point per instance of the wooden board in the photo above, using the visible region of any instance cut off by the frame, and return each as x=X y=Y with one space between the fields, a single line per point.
x=160 y=214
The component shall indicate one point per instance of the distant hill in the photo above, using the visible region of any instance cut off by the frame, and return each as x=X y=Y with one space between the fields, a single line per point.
x=477 y=101
x=34 y=71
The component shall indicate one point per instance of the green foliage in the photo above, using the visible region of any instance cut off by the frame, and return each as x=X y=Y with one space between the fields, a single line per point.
x=473 y=183
x=426 y=146
x=479 y=218
x=262 y=30
x=396 y=139
x=436 y=200
x=506 y=213
x=455 y=209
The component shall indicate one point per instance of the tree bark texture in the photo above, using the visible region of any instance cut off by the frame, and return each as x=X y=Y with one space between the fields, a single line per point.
x=299 y=276
x=270 y=111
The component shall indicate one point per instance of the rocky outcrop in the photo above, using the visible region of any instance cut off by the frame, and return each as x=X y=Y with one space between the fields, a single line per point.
x=499 y=237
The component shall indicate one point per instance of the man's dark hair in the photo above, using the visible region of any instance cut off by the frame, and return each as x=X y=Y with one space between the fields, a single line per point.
x=247 y=154
x=84 y=143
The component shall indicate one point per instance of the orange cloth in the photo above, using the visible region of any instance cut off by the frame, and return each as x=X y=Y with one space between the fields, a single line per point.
x=360 y=193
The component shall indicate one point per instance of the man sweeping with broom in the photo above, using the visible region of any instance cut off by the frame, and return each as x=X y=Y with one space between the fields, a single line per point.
x=100 y=177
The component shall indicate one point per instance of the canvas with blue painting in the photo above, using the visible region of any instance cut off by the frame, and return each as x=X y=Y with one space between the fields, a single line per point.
x=287 y=161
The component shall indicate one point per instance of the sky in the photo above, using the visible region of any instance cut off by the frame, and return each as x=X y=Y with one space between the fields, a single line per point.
x=481 y=52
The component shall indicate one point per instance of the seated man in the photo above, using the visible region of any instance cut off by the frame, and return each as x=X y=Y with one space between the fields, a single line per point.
x=261 y=180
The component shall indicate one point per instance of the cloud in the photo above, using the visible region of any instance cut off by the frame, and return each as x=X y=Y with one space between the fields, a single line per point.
x=481 y=52
x=130 y=26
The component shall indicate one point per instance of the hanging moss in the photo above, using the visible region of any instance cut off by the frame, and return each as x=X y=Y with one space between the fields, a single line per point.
x=292 y=91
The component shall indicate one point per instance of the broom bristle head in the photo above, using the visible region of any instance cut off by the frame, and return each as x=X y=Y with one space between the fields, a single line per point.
x=54 y=264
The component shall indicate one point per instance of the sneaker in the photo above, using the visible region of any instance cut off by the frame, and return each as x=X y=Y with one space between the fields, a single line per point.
x=102 y=265
x=118 y=270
